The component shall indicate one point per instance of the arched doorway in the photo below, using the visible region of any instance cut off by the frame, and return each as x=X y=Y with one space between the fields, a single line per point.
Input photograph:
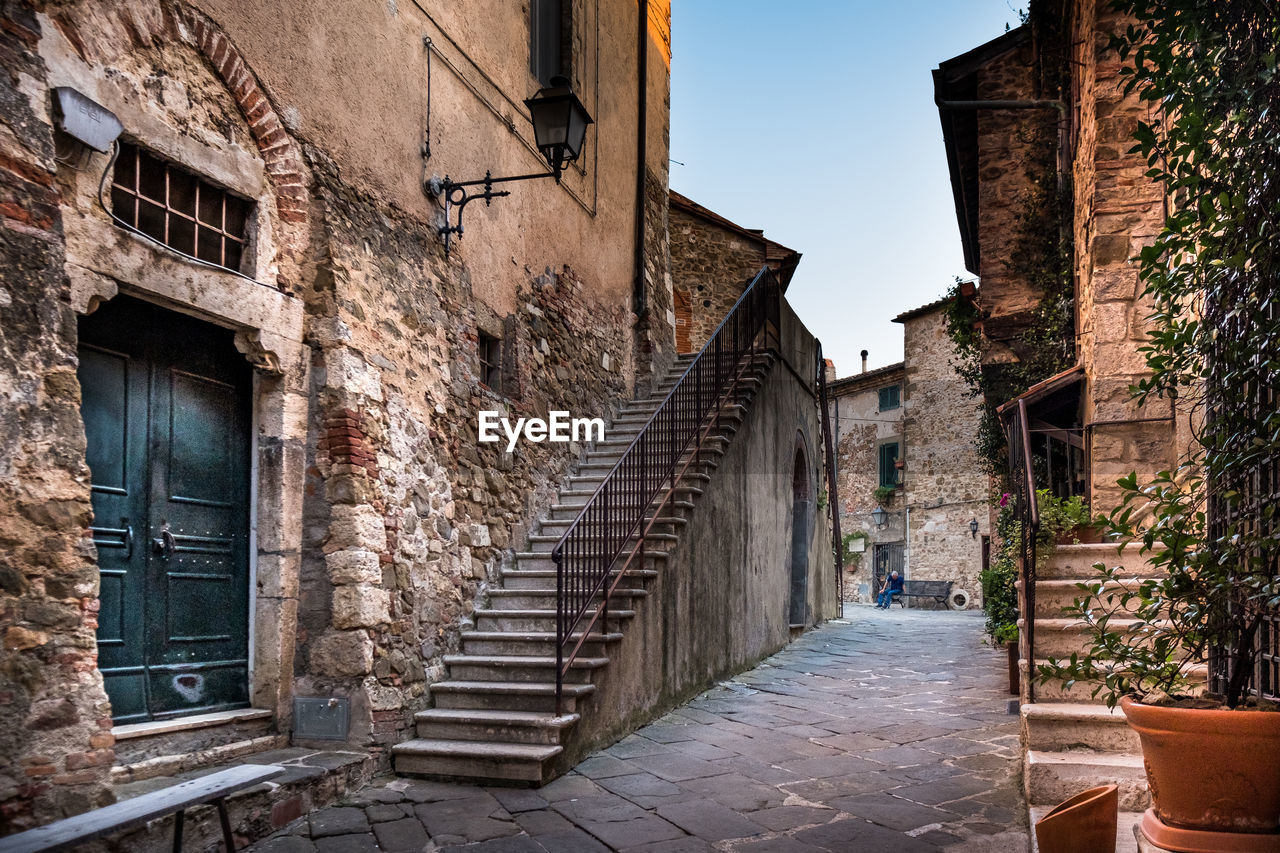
x=801 y=520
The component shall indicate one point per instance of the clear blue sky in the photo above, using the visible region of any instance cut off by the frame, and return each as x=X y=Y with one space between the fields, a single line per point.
x=814 y=120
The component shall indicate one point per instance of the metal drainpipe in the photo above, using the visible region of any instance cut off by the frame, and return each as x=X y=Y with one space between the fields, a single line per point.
x=640 y=296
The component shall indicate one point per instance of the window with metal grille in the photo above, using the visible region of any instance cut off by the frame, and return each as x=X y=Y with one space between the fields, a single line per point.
x=179 y=209
x=889 y=464
x=489 y=349
x=548 y=39
x=890 y=397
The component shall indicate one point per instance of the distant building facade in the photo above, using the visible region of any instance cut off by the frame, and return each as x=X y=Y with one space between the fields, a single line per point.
x=904 y=437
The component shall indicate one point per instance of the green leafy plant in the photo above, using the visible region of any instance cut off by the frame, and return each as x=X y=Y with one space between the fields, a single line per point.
x=883 y=494
x=1059 y=517
x=1210 y=526
x=852 y=557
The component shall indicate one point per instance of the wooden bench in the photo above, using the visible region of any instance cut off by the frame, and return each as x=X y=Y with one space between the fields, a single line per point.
x=939 y=591
x=214 y=788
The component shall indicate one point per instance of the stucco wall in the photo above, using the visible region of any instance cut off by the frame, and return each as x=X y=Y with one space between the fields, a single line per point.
x=721 y=602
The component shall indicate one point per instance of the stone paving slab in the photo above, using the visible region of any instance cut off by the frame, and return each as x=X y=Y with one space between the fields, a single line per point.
x=881 y=731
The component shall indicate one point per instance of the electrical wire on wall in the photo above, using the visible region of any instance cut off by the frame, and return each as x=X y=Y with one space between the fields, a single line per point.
x=102 y=185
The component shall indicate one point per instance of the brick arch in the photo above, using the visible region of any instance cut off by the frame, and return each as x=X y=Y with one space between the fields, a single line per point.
x=281 y=154
x=684 y=321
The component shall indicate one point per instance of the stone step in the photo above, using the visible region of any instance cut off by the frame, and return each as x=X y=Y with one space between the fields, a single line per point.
x=514 y=696
x=546 y=578
x=1053 y=776
x=542 y=542
x=593 y=481
x=536 y=620
x=665 y=524
x=565 y=512
x=1054 y=595
x=1054 y=690
x=515 y=669
x=735 y=411
x=541 y=560
x=502 y=762
x=545 y=599
x=1059 y=638
x=530 y=642
x=502 y=726
x=1074 y=562
x=577 y=498
x=1060 y=726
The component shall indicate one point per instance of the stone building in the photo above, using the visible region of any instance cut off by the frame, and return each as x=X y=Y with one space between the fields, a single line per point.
x=1073 y=131
x=1063 y=123
x=243 y=503
x=905 y=446
x=711 y=261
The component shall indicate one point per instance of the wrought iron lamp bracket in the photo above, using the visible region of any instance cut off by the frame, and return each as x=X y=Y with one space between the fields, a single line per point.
x=458 y=194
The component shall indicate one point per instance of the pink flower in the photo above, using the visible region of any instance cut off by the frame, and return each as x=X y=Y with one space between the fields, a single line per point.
x=1004 y=499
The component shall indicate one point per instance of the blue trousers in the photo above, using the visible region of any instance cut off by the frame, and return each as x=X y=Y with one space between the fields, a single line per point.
x=886 y=598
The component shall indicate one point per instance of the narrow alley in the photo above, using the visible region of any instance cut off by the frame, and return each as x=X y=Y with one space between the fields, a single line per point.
x=881 y=731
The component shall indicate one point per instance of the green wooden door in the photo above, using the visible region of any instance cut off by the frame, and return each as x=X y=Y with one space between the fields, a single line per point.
x=165 y=400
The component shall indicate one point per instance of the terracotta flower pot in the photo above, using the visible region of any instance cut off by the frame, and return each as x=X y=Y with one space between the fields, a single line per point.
x=1086 y=823
x=1212 y=770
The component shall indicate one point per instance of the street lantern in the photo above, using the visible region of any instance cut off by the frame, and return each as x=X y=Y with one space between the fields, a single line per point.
x=559 y=124
x=880 y=516
x=559 y=131
x=973 y=527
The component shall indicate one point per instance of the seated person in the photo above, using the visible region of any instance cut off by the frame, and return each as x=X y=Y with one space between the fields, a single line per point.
x=892 y=586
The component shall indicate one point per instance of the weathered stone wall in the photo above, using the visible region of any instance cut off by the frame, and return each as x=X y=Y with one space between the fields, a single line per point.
x=944 y=483
x=1118 y=210
x=55 y=739
x=860 y=430
x=710 y=266
x=408 y=515
x=1005 y=138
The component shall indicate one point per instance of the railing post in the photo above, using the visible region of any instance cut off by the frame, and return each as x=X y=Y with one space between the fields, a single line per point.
x=557 y=557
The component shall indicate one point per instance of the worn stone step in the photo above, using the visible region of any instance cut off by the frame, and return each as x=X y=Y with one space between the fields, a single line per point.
x=1053 y=776
x=734 y=411
x=513 y=696
x=459 y=759
x=541 y=560
x=545 y=599
x=593 y=481
x=1060 y=637
x=665 y=524
x=1059 y=726
x=1052 y=596
x=546 y=542
x=1075 y=562
x=680 y=509
x=1053 y=690
x=546 y=578
x=577 y=498
x=536 y=620
x=531 y=642
x=501 y=726
x=514 y=669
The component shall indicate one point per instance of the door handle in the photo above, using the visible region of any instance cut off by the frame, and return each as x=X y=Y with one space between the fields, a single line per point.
x=164 y=544
x=128 y=537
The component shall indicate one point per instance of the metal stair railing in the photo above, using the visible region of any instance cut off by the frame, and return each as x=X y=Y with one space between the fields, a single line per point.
x=612 y=524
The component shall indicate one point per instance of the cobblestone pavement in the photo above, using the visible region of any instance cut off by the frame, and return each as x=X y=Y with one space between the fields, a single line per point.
x=883 y=731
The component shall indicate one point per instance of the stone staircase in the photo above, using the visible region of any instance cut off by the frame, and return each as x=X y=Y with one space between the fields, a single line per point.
x=494 y=719
x=1071 y=741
